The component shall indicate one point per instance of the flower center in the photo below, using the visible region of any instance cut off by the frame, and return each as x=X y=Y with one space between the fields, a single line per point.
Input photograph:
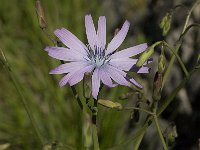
x=97 y=56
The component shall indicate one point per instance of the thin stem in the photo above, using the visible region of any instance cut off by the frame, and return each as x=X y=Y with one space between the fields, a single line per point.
x=136 y=108
x=188 y=28
x=94 y=126
x=57 y=43
x=77 y=97
x=178 y=43
x=141 y=131
x=189 y=14
x=72 y=87
x=178 y=58
x=75 y=94
x=154 y=107
x=179 y=6
x=160 y=132
x=169 y=99
x=23 y=101
x=167 y=72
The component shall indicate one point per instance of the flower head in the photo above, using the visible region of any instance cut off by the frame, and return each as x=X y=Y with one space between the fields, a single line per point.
x=104 y=62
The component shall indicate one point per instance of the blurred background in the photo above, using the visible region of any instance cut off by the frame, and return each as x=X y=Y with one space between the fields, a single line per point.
x=55 y=111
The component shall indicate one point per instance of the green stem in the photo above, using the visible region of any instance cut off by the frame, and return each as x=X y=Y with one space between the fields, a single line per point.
x=23 y=101
x=136 y=108
x=49 y=36
x=77 y=97
x=155 y=107
x=178 y=58
x=178 y=43
x=188 y=28
x=137 y=138
x=160 y=132
x=141 y=131
x=189 y=14
x=180 y=5
x=167 y=72
x=94 y=126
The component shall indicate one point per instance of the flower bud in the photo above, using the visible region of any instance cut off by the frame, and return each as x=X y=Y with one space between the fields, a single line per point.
x=198 y=58
x=110 y=104
x=161 y=63
x=40 y=14
x=166 y=23
x=157 y=86
x=171 y=134
x=145 y=56
x=87 y=85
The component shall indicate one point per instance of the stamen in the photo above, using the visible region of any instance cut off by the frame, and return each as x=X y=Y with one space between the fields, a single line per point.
x=97 y=56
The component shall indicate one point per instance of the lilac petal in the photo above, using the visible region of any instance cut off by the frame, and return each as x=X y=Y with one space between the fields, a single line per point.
x=105 y=78
x=150 y=60
x=101 y=32
x=70 y=40
x=131 y=80
x=95 y=83
x=68 y=67
x=128 y=64
x=123 y=63
x=143 y=70
x=62 y=53
x=116 y=75
x=65 y=79
x=121 y=77
x=90 y=31
x=118 y=39
x=129 y=52
x=78 y=76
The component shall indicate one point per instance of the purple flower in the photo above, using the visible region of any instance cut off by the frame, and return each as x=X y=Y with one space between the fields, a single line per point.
x=104 y=62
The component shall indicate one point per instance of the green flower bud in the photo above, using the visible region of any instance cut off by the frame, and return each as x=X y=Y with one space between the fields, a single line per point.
x=110 y=104
x=87 y=85
x=157 y=86
x=161 y=63
x=166 y=23
x=40 y=14
x=145 y=56
x=171 y=134
x=198 y=58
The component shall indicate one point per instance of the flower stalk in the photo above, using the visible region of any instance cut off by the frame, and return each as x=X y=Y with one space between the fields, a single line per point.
x=160 y=132
x=94 y=126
